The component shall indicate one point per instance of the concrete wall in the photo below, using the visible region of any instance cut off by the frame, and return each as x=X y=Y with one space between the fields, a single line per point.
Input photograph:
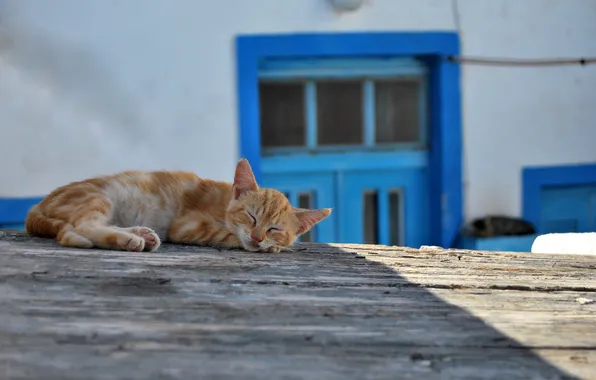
x=95 y=86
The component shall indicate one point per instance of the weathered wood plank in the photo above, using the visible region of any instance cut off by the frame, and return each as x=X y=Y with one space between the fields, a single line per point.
x=334 y=312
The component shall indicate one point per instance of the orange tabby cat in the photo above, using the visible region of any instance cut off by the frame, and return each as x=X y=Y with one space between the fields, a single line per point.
x=135 y=211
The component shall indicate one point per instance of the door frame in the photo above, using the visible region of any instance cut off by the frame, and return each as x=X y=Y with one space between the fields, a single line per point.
x=435 y=48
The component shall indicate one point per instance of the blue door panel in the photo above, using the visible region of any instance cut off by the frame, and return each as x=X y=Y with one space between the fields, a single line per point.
x=322 y=188
x=413 y=189
x=568 y=209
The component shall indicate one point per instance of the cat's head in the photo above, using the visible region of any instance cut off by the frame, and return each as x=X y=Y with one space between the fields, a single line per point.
x=264 y=218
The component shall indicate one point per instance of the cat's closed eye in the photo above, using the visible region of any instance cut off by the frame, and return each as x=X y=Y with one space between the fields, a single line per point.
x=273 y=229
x=254 y=220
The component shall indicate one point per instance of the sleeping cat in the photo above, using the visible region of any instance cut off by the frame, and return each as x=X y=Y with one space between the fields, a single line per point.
x=135 y=211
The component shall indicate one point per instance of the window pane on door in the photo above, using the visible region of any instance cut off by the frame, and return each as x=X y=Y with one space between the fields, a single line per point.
x=371 y=217
x=339 y=112
x=282 y=114
x=397 y=111
x=395 y=218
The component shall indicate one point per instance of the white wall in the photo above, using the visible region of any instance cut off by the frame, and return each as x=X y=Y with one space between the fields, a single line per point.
x=516 y=117
x=95 y=86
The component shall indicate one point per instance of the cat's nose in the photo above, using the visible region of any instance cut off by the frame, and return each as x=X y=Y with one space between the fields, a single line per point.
x=256 y=239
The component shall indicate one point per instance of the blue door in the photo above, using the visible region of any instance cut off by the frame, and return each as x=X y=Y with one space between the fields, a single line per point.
x=350 y=134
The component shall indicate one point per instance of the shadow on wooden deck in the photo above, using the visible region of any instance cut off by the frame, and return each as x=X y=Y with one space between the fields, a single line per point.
x=189 y=312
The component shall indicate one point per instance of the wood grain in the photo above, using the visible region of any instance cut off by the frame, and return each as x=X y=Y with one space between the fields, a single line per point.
x=322 y=312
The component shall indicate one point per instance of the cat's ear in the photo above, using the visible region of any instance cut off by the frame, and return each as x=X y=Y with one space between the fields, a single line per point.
x=244 y=179
x=308 y=218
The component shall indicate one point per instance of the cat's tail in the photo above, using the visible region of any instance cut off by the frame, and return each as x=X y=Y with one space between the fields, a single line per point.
x=38 y=224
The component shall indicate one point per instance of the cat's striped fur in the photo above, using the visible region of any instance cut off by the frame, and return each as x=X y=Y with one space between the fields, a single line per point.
x=135 y=211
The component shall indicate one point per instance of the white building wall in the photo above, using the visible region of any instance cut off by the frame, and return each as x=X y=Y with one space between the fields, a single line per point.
x=95 y=86
x=516 y=117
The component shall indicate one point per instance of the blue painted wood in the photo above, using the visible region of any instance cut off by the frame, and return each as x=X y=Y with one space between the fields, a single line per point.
x=535 y=179
x=333 y=74
x=368 y=107
x=446 y=199
x=411 y=182
x=13 y=211
x=402 y=147
x=340 y=184
x=311 y=114
x=430 y=47
x=13 y=226
x=293 y=196
x=321 y=185
x=567 y=209
x=349 y=159
x=592 y=212
x=501 y=243
x=367 y=65
x=248 y=105
x=340 y=68
x=306 y=163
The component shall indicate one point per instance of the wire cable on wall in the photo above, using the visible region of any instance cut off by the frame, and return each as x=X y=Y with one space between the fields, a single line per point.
x=509 y=61
x=522 y=62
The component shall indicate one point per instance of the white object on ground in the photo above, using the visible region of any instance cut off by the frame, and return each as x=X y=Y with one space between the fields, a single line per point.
x=575 y=243
x=430 y=248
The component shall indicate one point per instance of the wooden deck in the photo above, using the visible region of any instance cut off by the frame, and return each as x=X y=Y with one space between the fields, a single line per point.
x=322 y=312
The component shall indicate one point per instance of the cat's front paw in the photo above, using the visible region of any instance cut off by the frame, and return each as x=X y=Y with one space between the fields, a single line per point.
x=130 y=242
x=152 y=241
